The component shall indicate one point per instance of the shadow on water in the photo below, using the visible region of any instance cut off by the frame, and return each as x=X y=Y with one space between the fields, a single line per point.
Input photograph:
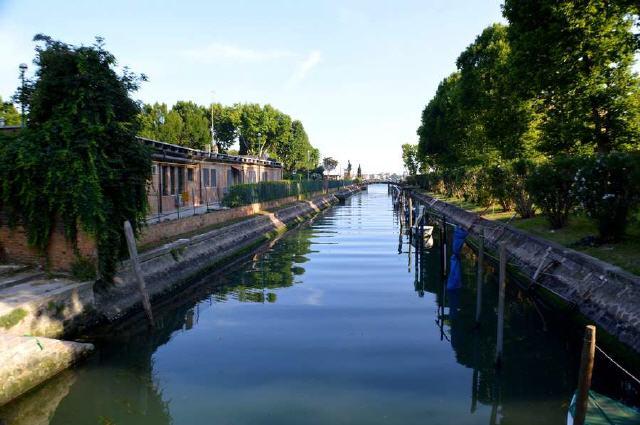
x=334 y=323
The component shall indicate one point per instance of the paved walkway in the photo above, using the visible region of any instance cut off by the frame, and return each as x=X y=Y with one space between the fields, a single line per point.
x=184 y=212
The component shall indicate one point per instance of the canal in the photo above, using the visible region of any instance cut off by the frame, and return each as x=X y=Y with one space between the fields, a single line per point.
x=331 y=324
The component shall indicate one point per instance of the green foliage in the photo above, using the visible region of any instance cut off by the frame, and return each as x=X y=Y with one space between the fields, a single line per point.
x=195 y=131
x=576 y=58
x=83 y=269
x=329 y=164
x=11 y=319
x=78 y=161
x=496 y=181
x=9 y=113
x=551 y=187
x=251 y=193
x=410 y=158
x=259 y=130
x=608 y=188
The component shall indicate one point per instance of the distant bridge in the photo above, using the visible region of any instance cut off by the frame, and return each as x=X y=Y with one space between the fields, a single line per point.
x=379 y=181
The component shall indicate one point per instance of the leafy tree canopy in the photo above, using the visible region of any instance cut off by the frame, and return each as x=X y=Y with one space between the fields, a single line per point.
x=77 y=161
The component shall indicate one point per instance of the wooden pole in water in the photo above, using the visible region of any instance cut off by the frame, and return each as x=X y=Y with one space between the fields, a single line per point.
x=501 y=288
x=410 y=211
x=584 y=377
x=479 y=278
x=444 y=245
x=135 y=263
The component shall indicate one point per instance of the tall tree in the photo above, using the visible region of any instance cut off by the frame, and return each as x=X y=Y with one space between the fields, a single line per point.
x=195 y=132
x=577 y=58
x=78 y=160
x=410 y=158
x=505 y=124
x=225 y=123
x=159 y=123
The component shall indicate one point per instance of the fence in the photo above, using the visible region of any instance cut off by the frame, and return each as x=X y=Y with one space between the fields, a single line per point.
x=245 y=194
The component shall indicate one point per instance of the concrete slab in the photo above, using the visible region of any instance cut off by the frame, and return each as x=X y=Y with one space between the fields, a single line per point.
x=45 y=307
x=26 y=362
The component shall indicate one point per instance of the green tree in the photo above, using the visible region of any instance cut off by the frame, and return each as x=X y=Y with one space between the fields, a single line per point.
x=226 y=120
x=443 y=138
x=577 y=58
x=329 y=164
x=159 y=123
x=78 y=161
x=505 y=125
x=9 y=113
x=410 y=158
x=195 y=131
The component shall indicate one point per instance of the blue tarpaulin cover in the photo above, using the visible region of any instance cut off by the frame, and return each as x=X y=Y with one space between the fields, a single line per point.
x=455 y=271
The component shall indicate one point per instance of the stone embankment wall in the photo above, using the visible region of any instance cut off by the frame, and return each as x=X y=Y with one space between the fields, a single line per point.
x=602 y=292
x=60 y=254
x=159 y=232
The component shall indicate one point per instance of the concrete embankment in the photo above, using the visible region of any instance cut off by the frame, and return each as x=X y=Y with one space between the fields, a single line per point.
x=603 y=293
x=57 y=307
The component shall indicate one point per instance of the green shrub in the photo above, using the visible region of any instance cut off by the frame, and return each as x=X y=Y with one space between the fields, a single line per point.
x=520 y=170
x=83 y=269
x=498 y=185
x=608 y=188
x=551 y=187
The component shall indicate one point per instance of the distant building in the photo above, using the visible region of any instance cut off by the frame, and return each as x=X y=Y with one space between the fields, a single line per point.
x=184 y=176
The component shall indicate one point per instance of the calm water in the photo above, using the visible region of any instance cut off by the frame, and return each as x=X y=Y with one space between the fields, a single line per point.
x=332 y=324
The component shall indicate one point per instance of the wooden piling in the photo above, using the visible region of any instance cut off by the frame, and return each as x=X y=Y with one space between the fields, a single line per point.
x=501 y=289
x=444 y=246
x=479 y=278
x=135 y=263
x=584 y=377
x=410 y=211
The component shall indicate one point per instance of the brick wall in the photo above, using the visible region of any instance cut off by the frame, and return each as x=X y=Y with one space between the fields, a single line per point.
x=15 y=249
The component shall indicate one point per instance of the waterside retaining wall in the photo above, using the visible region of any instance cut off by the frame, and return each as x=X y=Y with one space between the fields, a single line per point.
x=601 y=291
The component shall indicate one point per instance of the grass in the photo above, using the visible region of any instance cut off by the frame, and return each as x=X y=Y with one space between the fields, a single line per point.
x=624 y=254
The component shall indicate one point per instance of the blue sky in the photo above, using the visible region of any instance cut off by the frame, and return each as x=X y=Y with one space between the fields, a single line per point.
x=356 y=73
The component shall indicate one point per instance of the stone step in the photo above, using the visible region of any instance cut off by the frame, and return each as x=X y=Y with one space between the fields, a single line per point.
x=9 y=269
x=19 y=277
x=44 y=306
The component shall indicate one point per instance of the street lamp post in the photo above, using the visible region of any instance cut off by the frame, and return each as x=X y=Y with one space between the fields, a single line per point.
x=23 y=69
x=259 y=145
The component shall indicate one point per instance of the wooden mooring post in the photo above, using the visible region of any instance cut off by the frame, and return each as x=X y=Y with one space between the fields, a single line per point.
x=584 y=377
x=502 y=280
x=444 y=246
x=479 y=279
x=135 y=263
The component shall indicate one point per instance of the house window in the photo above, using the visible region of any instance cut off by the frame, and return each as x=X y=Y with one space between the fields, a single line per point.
x=172 y=178
x=180 y=180
x=230 y=178
x=214 y=182
x=154 y=169
x=265 y=176
x=190 y=174
x=164 y=181
x=205 y=177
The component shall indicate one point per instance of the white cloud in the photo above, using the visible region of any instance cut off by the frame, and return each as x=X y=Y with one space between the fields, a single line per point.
x=304 y=68
x=218 y=52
